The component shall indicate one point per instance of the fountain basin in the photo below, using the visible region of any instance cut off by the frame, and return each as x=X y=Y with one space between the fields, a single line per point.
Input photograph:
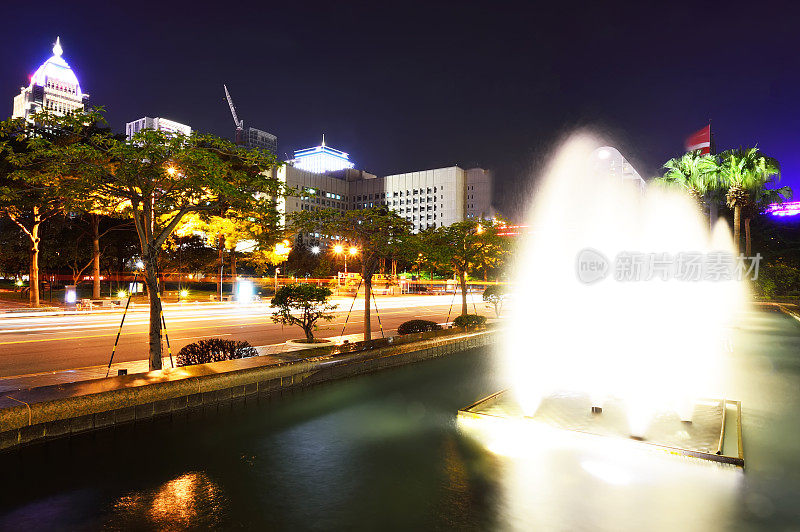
x=714 y=433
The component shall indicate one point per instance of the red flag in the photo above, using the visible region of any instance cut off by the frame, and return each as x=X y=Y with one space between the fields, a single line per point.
x=700 y=140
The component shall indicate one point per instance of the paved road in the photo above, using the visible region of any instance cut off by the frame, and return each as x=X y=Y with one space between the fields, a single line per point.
x=36 y=344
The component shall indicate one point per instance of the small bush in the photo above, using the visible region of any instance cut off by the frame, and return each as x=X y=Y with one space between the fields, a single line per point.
x=469 y=320
x=214 y=350
x=418 y=326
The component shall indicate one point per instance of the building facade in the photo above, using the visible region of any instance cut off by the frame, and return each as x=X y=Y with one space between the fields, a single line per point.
x=54 y=87
x=160 y=124
x=426 y=198
x=250 y=137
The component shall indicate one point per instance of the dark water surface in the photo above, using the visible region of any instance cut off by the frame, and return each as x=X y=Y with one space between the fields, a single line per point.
x=384 y=452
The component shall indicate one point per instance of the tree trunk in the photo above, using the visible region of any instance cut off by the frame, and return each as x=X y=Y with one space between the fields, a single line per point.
x=748 y=244
x=233 y=267
x=737 y=227
x=155 y=315
x=33 y=279
x=221 y=247
x=713 y=214
x=367 y=277
x=462 y=277
x=95 y=256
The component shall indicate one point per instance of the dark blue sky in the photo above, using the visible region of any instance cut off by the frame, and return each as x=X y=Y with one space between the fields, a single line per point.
x=405 y=86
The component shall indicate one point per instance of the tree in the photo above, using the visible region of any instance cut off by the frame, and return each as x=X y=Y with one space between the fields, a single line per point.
x=693 y=172
x=495 y=295
x=29 y=190
x=745 y=173
x=377 y=233
x=761 y=197
x=465 y=246
x=159 y=178
x=309 y=300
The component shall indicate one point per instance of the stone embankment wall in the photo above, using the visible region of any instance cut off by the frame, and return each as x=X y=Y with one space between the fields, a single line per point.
x=39 y=414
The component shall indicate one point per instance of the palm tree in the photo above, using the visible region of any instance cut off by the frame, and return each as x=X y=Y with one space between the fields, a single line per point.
x=693 y=172
x=746 y=173
x=760 y=198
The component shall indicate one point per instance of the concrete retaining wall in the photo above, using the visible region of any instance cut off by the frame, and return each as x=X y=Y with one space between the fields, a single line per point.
x=40 y=414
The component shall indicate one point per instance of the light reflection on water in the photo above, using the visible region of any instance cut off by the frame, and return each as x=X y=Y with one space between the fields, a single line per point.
x=179 y=503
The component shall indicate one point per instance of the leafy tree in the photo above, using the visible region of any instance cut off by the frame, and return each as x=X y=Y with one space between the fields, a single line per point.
x=377 y=233
x=309 y=300
x=495 y=295
x=745 y=173
x=464 y=247
x=158 y=179
x=30 y=194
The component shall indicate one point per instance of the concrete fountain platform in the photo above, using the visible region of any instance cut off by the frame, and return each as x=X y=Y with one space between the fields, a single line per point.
x=714 y=433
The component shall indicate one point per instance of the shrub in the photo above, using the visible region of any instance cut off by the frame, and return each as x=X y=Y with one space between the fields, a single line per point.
x=469 y=320
x=777 y=280
x=214 y=350
x=418 y=326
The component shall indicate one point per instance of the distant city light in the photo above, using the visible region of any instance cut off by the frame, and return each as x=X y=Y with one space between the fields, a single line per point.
x=338 y=249
x=315 y=250
x=353 y=250
x=784 y=209
x=140 y=264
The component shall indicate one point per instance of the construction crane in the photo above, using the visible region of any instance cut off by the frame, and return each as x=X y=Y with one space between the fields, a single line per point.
x=239 y=123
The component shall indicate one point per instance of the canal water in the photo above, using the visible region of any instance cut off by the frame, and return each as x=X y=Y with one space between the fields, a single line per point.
x=384 y=451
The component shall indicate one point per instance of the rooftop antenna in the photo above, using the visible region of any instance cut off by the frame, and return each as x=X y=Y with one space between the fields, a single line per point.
x=323 y=139
x=239 y=123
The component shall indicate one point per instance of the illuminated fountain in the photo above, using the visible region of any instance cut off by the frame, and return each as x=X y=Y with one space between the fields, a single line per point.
x=624 y=303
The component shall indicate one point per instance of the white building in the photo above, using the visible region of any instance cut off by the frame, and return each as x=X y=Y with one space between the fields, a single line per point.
x=54 y=87
x=427 y=198
x=160 y=124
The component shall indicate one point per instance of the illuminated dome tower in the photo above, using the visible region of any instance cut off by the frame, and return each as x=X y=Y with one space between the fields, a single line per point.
x=54 y=87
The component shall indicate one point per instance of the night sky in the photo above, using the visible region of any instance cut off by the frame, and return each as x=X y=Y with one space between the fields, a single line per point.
x=404 y=86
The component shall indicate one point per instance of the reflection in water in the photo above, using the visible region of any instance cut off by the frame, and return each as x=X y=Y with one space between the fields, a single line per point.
x=555 y=479
x=179 y=503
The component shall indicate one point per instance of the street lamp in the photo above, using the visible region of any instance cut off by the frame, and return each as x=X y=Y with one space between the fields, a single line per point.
x=339 y=250
x=315 y=250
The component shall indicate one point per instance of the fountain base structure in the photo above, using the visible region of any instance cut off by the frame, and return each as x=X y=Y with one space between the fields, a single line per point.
x=713 y=434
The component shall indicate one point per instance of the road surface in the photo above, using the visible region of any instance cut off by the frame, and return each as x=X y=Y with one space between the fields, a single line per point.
x=36 y=344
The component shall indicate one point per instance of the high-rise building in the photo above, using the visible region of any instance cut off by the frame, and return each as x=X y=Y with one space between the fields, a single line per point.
x=250 y=137
x=160 y=124
x=54 y=87
x=439 y=197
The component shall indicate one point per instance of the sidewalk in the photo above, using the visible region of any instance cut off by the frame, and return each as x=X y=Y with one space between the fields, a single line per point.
x=279 y=352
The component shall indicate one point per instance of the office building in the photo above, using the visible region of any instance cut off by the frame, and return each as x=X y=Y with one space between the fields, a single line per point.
x=438 y=197
x=250 y=137
x=160 y=124
x=54 y=87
